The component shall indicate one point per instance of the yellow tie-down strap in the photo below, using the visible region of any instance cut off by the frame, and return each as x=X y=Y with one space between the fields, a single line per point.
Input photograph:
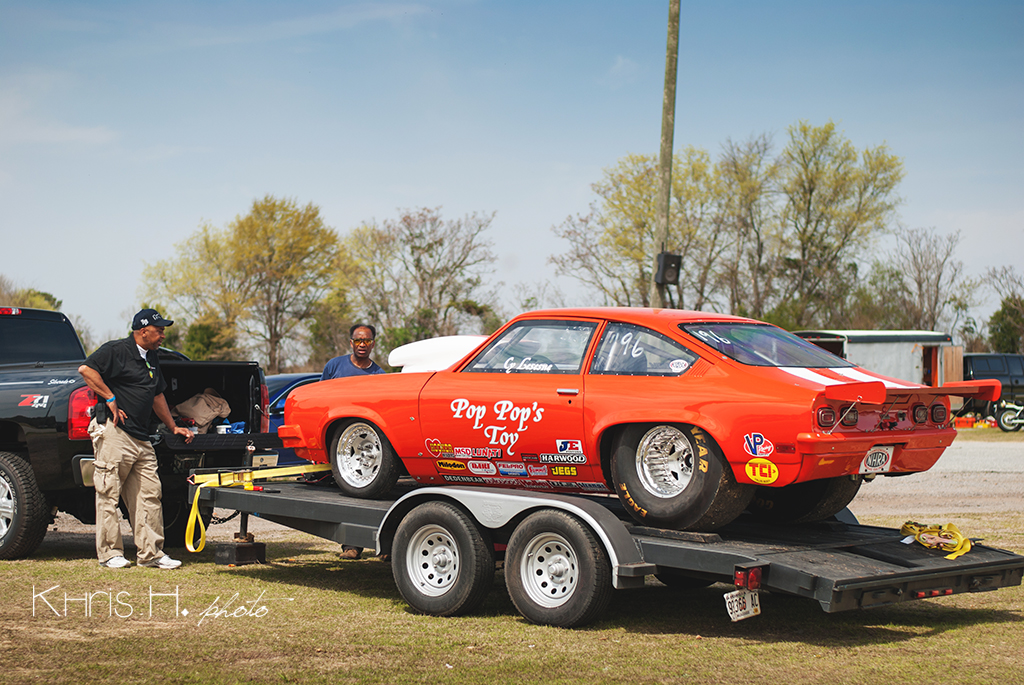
x=228 y=479
x=947 y=537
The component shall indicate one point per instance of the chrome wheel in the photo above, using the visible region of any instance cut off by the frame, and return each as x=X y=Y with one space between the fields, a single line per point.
x=664 y=461
x=549 y=570
x=432 y=560
x=359 y=455
x=6 y=507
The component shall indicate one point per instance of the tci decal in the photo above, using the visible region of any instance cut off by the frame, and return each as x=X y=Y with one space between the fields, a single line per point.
x=510 y=468
x=535 y=470
x=450 y=465
x=756 y=445
x=762 y=471
x=481 y=468
x=563 y=470
x=34 y=401
x=515 y=420
x=569 y=446
x=571 y=458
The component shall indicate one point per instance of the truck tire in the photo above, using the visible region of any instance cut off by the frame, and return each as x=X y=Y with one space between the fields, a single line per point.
x=1005 y=417
x=556 y=571
x=675 y=476
x=362 y=460
x=443 y=563
x=24 y=514
x=815 y=500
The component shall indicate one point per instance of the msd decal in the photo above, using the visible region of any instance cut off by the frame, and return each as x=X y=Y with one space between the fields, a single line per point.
x=756 y=445
x=570 y=446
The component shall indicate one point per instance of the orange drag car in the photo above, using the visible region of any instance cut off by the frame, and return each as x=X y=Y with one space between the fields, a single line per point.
x=689 y=417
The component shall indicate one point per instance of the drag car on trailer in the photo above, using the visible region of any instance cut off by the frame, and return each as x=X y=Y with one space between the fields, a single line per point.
x=689 y=417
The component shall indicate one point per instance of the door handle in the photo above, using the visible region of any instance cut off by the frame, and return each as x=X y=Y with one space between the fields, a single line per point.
x=568 y=391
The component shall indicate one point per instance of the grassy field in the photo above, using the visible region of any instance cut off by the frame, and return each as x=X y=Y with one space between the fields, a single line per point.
x=308 y=616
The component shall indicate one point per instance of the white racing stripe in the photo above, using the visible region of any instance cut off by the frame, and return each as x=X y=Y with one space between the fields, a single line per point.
x=858 y=375
x=809 y=375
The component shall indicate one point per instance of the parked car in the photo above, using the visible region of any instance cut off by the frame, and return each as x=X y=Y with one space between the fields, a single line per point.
x=278 y=388
x=688 y=417
x=1008 y=369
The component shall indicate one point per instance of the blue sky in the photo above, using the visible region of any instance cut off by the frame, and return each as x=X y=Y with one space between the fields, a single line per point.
x=124 y=125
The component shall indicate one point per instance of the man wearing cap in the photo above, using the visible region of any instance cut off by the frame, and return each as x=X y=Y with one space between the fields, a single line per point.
x=125 y=375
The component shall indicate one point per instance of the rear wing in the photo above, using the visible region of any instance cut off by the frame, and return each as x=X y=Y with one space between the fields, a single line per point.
x=876 y=392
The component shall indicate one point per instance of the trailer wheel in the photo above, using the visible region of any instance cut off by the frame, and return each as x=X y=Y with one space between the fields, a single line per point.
x=24 y=515
x=1006 y=420
x=556 y=571
x=362 y=460
x=814 y=500
x=443 y=563
x=672 y=476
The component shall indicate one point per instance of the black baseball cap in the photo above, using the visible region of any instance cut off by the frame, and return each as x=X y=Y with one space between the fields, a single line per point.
x=149 y=317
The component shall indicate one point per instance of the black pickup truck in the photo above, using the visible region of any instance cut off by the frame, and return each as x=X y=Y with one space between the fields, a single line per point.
x=45 y=450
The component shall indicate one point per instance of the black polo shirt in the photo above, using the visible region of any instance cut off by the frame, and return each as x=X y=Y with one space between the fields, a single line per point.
x=133 y=380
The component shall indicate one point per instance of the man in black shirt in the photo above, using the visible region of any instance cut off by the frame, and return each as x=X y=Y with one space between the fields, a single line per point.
x=125 y=375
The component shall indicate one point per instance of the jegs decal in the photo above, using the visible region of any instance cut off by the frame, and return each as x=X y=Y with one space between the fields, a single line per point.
x=515 y=420
x=34 y=401
x=563 y=471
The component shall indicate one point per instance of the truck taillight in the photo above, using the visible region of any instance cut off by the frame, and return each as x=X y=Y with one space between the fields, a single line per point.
x=78 y=413
x=264 y=409
x=9 y=311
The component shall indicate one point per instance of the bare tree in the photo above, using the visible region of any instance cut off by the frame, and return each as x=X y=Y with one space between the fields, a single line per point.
x=934 y=277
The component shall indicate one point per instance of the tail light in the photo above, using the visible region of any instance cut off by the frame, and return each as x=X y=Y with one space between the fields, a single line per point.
x=920 y=413
x=939 y=413
x=8 y=311
x=78 y=413
x=850 y=416
x=264 y=408
x=749 y=578
x=826 y=417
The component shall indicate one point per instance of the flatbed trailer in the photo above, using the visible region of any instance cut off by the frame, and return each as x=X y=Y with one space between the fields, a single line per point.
x=565 y=553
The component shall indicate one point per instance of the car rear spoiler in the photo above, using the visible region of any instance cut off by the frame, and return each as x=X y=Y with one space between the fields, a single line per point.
x=875 y=392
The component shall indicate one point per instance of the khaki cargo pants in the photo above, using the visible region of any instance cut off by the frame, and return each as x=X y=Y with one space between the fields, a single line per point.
x=126 y=468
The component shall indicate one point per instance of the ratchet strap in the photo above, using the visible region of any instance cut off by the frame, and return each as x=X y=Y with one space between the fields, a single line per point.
x=947 y=537
x=227 y=479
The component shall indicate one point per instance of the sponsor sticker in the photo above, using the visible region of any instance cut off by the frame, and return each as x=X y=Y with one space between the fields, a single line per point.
x=569 y=446
x=450 y=465
x=34 y=401
x=478 y=452
x=436 y=448
x=593 y=487
x=563 y=470
x=877 y=460
x=678 y=365
x=756 y=445
x=511 y=468
x=481 y=468
x=563 y=458
x=528 y=456
x=537 y=470
x=464 y=479
x=762 y=471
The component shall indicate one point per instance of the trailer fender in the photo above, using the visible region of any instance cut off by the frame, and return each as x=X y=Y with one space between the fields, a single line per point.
x=494 y=510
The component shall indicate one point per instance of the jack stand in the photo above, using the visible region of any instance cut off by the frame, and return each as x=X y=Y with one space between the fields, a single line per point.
x=243 y=550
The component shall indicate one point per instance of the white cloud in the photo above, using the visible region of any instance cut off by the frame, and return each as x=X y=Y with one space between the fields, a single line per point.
x=23 y=121
x=623 y=72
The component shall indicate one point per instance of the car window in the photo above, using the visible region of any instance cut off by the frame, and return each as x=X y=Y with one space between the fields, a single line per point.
x=630 y=350
x=1016 y=366
x=536 y=347
x=762 y=345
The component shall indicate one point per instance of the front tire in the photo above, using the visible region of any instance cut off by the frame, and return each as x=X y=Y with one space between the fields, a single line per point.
x=1005 y=418
x=808 y=502
x=556 y=571
x=674 y=476
x=362 y=460
x=443 y=563
x=24 y=514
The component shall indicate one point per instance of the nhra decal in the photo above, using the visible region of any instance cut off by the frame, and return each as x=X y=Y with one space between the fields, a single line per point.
x=464 y=479
x=563 y=470
x=34 y=401
x=535 y=470
x=877 y=460
x=509 y=420
x=762 y=471
x=756 y=445
x=481 y=468
x=436 y=448
x=450 y=465
x=571 y=458
x=478 y=452
x=511 y=468
x=569 y=446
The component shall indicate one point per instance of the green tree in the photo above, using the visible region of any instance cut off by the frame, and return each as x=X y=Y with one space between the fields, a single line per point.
x=1006 y=326
x=263 y=275
x=30 y=298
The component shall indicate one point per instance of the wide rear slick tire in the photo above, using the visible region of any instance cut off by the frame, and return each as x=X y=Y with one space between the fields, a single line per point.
x=363 y=462
x=808 y=502
x=24 y=514
x=675 y=476
x=443 y=563
x=556 y=571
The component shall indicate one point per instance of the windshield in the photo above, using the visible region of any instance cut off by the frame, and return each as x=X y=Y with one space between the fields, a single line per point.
x=762 y=345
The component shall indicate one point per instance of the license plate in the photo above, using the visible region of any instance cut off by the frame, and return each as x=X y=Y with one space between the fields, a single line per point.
x=742 y=604
x=878 y=459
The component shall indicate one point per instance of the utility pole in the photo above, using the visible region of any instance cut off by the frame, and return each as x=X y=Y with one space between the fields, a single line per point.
x=668 y=123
